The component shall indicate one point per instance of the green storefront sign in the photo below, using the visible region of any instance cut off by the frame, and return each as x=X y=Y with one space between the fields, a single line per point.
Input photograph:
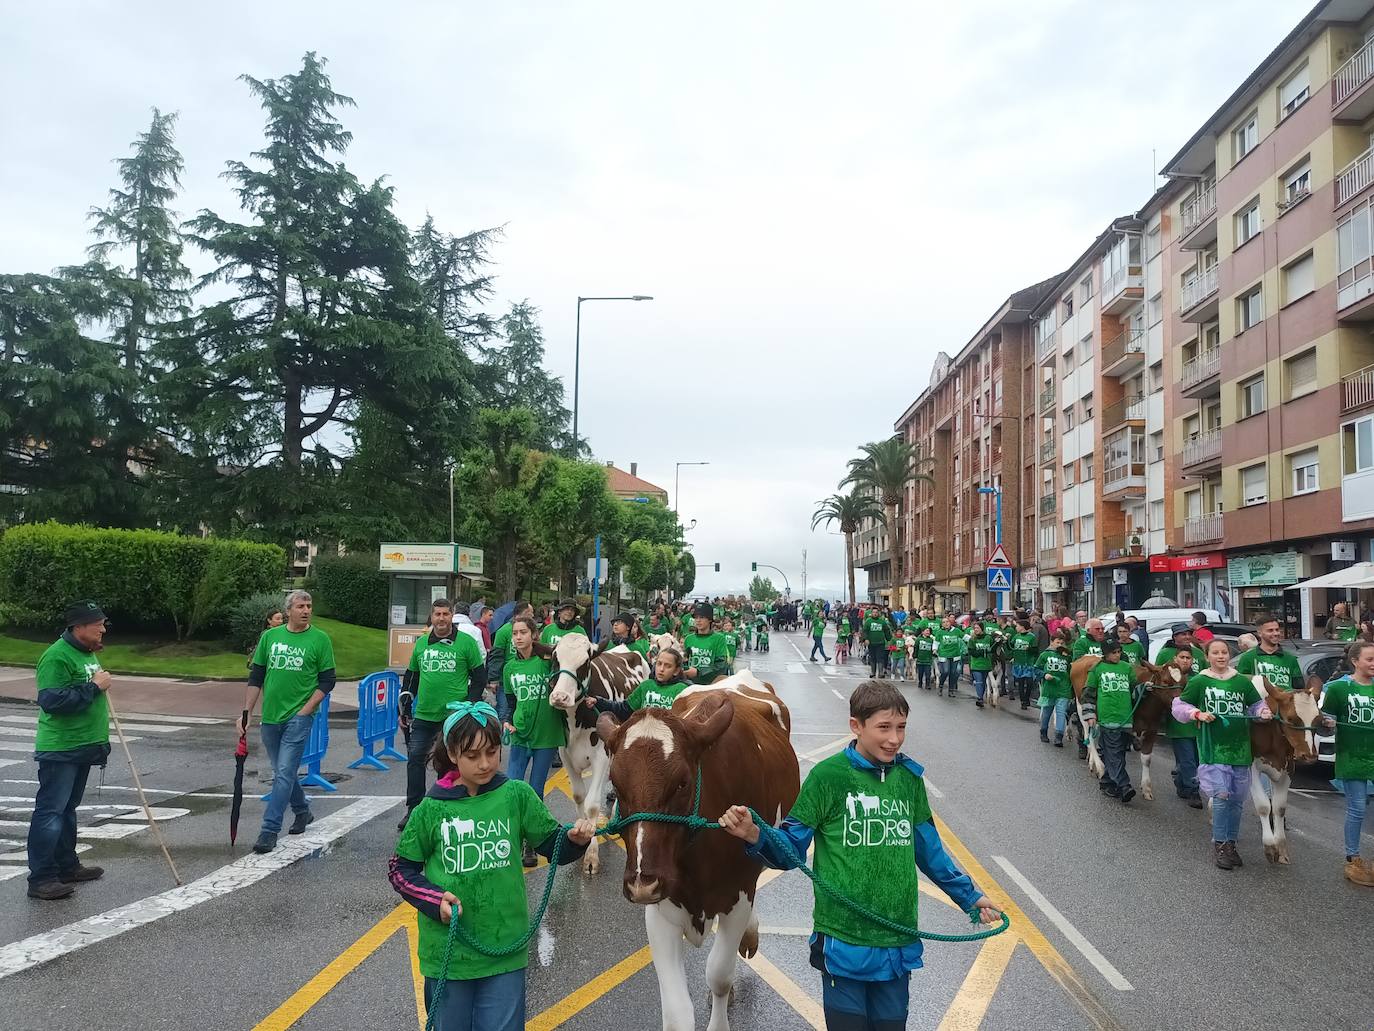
x=1275 y=570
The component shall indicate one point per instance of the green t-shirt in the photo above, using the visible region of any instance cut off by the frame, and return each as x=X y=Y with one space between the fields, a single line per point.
x=949 y=642
x=643 y=646
x=1024 y=649
x=1280 y=669
x=1352 y=704
x=731 y=645
x=471 y=846
x=63 y=665
x=980 y=652
x=1085 y=645
x=876 y=631
x=865 y=839
x=650 y=694
x=443 y=668
x=925 y=651
x=709 y=654
x=1056 y=683
x=1173 y=727
x=817 y=627
x=684 y=624
x=1132 y=652
x=1342 y=629
x=1228 y=743
x=502 y=640
x=844 y=631
x=537 y=723
x=294 y=662
x=551 y=633
x=1114 y=682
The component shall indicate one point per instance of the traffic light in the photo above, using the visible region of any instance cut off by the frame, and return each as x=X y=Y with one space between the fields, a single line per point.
x=717 y=567
x=753 y=567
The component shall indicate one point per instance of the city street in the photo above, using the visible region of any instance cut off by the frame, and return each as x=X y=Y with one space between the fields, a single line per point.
x=1119 y=918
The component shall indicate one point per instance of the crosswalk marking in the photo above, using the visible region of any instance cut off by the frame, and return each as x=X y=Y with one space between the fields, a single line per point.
x=30 y=721
x=27 y=746
x=100 y=830
x=9 y=762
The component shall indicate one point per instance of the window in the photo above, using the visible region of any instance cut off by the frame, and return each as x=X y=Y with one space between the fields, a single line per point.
x=1353 y=266
x=1068 y=532
x=1301 y=373
x=1248 y=223
x=1087 y=468
x=1157 y=446
x=1156 y=377
x=1252 y=396
x=1254 y=488
x=1293 y=91
x=1297 y=182
x=1086 y=531
x=1046 y=536
x=1245 y=136
x=1156 y=515
x=1153 y=242
x=1249 y=309
x=1085 y=289
x=1154 y=310
x=1357 y=446
x=1068 y=475
x=1087 y=407
x=1304 y=466
x=1068 y=418
x=1298 y=279
x=1192 y=427
x=1085 y=350
x=1068 y=306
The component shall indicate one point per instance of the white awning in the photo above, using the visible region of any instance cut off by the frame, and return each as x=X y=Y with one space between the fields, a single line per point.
x=1360 y=576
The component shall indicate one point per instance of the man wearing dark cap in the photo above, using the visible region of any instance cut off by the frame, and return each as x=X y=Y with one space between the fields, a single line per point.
x=564 y=622
x=707 y=651
x=73 y=736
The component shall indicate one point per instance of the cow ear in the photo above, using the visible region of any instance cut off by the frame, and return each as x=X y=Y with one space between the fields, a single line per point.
x=608 y=728
x=543 y=651
x=601 y=647
x=708 y=721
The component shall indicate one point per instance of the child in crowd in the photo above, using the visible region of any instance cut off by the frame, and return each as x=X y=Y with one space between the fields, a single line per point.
x=896 y=654
x=1108 y=702
x=925 y=657
x=980 y=649
x=866 y=969
x=658 y=692
x=909 y=641
x=1349 y=707
x=843 y=633
x=462 y=842
x=1055 y=689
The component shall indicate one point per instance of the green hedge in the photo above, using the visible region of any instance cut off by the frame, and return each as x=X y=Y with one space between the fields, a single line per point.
x=351 y=589
x=142 y=578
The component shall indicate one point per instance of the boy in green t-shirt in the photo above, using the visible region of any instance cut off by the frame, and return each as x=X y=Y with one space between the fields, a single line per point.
x=707 y=652
x=1055 y=689
x=843 y=632
x=1108 y=701
x=925 y=657
x=1348 y=706
x=1024 y=652
x=867 y=812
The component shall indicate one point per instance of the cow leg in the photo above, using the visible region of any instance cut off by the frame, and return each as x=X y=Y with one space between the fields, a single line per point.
x=1264 y=809
x=591 y=806
x=1095 y=765
x=731 y=929
x=1279 y=814
x=1147 y=790
x=670 y=958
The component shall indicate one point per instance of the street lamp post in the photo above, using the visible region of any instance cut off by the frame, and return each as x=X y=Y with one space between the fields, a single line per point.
x=677 y=481
x=996 y=492
x=577 y=354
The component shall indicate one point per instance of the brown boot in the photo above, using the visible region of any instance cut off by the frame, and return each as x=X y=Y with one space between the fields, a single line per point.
x=1358 y=872
x=1235 y=856
x=1222 y=856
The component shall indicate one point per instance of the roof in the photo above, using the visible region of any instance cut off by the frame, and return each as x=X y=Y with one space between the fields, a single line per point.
x=622 y=482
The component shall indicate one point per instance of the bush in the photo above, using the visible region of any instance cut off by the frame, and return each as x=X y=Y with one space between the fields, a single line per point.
x=246 y=618
x=142 y=578
x=351 y=589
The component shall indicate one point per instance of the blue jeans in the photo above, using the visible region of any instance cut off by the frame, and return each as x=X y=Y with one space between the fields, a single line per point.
x=1185 y=766
x=949 y=673
x=1226 y=817
x=422 y=736
x=285 y=744
x=495 y=1003
x=852 y=1005
x=1060 y=708
x=816 y=643
x=1356 y=801
x=980 y=682
x=923 y=674
x=536 y=760
x=52 y=828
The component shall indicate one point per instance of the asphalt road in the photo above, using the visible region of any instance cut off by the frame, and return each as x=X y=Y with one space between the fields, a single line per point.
x=1121 y=921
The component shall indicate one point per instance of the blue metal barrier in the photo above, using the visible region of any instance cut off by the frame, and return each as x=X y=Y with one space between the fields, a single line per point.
x=314 y=751
x=379 y=718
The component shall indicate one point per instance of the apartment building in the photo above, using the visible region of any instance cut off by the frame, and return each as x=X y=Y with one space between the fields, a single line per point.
x=1272 y=305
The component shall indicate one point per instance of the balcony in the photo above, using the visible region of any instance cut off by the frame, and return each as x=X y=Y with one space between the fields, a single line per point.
x=1049 y=451
x=1199 y=301
x=1125 y=287
x=1351 y=98
x=1200 y=374
x=1357 y=496
x=1204 y=529
x=1123 y=353
x=1048 y=503
x=1203 y=449
x=1122 y=546
x=1123 y=481
x=1357 y=389
x=1200 y=219
x=1119 y=413
x=1047 y=400
x=1355 y=178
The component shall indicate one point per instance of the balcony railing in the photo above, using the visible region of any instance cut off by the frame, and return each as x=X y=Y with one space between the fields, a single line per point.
x=1115 y=477
x=1048 y=451
x=1199 y=208
x=1121 y=279
x=1123 y=545
x=1204 y=529
x=1047 y=399
x=1353 y=74
x=1044 y=347
x=1357 y=389
x=1125 y=410
x=1199 y=288
x=1202 y=448
x=1047 y=503
x=1128 y=341
x=1204 y=366
x=1355 y=177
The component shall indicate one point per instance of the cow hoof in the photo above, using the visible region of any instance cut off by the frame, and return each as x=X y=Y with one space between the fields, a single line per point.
x=749 y=944
x=1283 y=856
x=1147 y=793
x=1271 y=853
x=591 y=863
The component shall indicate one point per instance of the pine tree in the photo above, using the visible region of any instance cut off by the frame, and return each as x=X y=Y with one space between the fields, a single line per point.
x=512 y=375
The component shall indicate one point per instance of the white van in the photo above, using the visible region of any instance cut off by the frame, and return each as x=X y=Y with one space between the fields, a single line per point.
x=1157 y=619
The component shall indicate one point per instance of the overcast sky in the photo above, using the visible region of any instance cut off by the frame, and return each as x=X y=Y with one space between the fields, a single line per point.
x=819 y=196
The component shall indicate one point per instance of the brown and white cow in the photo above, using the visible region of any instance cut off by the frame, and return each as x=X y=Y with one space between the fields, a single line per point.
x=735 y=736
x=1278 y=746
x=1158 y=681
x=582 y=669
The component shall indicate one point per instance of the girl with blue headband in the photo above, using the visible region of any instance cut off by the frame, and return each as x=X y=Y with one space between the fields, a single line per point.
x=459 y=859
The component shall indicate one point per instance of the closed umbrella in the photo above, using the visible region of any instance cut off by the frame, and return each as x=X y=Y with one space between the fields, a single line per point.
x=240 y=754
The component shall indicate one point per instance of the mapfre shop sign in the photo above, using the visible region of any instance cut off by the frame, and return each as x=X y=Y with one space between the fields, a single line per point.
x=419 y=558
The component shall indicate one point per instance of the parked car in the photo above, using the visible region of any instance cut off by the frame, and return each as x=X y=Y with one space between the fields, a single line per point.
x=1161 y=619
x=1228 y=632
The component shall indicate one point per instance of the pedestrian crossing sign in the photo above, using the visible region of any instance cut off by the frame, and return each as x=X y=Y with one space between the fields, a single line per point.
x=999 y=578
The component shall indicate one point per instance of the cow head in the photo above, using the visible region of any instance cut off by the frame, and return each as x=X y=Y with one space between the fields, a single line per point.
x=572 y=659
x=663 y=642
x=655 y=759
x=1297 y=712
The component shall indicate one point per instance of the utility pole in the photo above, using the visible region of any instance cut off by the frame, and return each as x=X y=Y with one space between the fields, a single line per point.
x=803 y=574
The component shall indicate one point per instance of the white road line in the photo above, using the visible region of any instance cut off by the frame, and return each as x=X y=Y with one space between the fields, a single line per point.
x=111 y=787
x=41 y=948
x=1057 y=918
x=837 y=694
x=203 y=721
x=9 y=762
x=932 y=790
x=825 y=749
x=29 y=721
x=106 y=831
x=27 y=746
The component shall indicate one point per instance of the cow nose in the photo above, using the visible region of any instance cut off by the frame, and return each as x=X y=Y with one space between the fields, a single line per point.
x=642 y=892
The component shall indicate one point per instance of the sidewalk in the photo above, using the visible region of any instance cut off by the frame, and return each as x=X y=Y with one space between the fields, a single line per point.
x=169 y=696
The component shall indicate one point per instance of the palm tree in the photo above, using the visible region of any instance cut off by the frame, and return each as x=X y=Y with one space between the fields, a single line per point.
x=883 y=469
x=849 y=510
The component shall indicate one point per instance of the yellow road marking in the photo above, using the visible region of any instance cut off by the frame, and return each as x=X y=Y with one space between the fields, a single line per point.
x=335 y=971
x=966 y=1012
x=594 y=989
x=1050 y=958
x=792 y=993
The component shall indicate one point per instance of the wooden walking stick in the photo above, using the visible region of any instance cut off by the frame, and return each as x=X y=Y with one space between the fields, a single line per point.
x=114 y=717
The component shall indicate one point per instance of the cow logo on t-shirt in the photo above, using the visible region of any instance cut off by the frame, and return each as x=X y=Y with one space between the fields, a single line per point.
x=1224 y=702
x=285 y=656
x=438 y=660
x=470 y=845
x=871 y=820
x=1359 y=709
